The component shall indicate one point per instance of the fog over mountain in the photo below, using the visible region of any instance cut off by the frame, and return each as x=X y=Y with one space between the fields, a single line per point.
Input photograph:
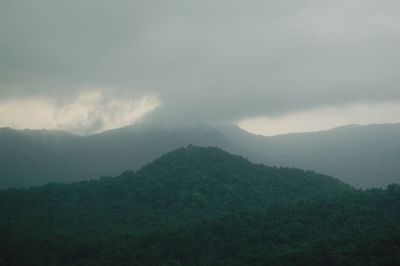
x=199 y=132
x=363 y=156
x=95 y=87
x=198 y=61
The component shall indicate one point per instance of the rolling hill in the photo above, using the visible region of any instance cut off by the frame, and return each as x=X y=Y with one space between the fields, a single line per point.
x=201 y=206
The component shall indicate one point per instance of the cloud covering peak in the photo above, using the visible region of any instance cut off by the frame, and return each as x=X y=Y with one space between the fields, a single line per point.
x=206 y=60
x=91 y=112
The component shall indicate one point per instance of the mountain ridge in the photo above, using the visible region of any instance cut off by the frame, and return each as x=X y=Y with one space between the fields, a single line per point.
x=365 y=156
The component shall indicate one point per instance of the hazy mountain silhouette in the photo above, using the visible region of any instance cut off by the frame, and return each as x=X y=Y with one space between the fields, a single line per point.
x=36 y=157
x=364 y=156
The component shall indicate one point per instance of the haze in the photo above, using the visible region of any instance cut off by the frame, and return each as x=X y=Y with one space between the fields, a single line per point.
x=90 y=66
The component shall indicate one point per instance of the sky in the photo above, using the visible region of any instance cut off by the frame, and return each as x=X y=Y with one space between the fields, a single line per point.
x=271 y=67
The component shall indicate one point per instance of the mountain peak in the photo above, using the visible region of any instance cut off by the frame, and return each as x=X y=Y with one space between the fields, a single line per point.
x=197 y=156
x=194 y=150
x=208 y=175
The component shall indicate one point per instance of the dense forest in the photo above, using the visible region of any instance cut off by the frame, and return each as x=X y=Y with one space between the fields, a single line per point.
x=201 y=206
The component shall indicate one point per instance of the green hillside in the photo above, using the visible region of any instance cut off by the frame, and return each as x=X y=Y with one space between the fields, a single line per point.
x=201 y=206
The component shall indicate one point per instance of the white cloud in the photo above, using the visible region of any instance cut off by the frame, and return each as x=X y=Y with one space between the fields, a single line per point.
x=91 y=112
x=323 y=118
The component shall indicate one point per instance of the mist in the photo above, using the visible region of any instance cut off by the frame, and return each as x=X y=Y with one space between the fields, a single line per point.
x=202 y=60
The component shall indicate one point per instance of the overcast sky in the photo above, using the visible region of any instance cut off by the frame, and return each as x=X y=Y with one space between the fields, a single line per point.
x=91 y=65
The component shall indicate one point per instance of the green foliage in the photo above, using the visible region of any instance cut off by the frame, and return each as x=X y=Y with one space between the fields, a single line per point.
x=201 y=206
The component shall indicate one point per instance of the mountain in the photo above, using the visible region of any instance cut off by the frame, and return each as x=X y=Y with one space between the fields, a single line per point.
x=364 y=156
x=201 y=206
x=36 y=157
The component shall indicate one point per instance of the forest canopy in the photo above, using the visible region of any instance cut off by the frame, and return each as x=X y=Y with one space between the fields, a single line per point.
x=201 y=206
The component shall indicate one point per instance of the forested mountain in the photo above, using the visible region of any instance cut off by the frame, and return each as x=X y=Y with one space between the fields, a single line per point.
x=364 y=156
x=201 y=206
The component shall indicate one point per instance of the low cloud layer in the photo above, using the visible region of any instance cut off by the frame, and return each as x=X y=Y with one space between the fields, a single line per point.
x=323 y=118
x=206 y=60
x=90 y=112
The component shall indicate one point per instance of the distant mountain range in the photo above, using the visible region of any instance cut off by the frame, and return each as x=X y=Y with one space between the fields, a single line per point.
x=201 y=206
x=363 y=156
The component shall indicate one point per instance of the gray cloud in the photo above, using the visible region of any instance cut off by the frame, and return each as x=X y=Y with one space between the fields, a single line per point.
x=207 y=60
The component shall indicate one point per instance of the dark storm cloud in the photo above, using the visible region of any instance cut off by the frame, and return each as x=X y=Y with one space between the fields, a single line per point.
x=207 y=60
